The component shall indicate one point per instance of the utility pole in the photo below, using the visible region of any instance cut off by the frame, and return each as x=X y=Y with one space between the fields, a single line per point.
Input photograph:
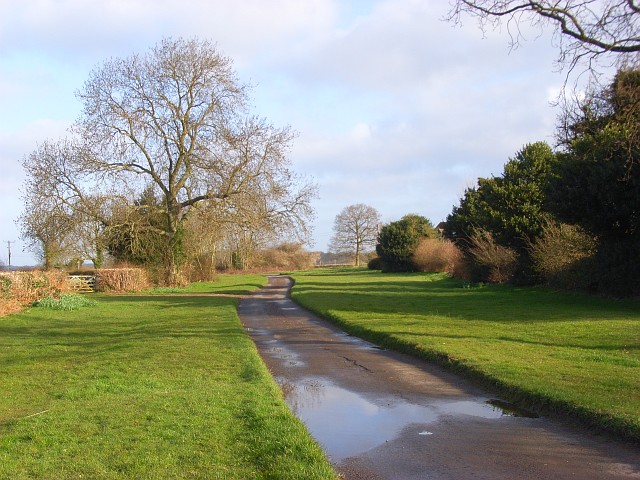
x=9 y=242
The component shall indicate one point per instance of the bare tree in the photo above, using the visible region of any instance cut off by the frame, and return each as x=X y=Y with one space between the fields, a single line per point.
x=61 y=207
x=585 y=30
x=355 y=228
x=174 y=118
x=46 y=229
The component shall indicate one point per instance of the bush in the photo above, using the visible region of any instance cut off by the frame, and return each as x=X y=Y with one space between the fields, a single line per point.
x=121 y=280
x=27 y=287
x=288 y=256
x=565 y=256
x=201 y=268
x=5 y=287
x=375 y=264
x=616 y=267
x=398 y=240
x=435 y=255
x=18 y=289
x=65 y=302
x=497 y=263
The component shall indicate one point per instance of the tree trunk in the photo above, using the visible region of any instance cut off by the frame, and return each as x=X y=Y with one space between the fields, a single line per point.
x=174 y=258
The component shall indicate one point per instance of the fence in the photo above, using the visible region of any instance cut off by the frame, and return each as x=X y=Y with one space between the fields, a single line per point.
x=82 y=283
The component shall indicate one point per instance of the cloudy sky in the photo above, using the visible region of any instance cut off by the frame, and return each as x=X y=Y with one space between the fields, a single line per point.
x=394 y=107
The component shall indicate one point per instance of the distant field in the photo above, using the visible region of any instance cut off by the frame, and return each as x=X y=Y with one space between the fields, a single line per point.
x=557 y=353
x=146 y=387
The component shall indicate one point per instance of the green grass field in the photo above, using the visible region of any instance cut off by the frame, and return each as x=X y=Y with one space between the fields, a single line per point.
x=152 y=386
x=557 y=353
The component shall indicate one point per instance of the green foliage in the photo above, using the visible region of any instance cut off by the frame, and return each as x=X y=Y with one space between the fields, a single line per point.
x=65 y=302
x=398 y=241
x=138 y=238
x=596 y=183
x=98 y=259
x=562 y=353
x=509 y=207
x=617 y=265
x=375 y=264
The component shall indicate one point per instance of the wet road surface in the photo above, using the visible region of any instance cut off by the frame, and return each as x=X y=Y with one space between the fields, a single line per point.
x=383 y=415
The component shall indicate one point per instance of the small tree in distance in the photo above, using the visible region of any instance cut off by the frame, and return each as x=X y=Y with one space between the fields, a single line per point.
x=355 y=230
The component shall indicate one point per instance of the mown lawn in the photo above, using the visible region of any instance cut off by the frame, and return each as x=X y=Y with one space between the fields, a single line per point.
x=152 y=386
x=557 y=353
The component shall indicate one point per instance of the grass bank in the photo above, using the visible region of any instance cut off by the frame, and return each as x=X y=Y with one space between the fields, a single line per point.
x=152 y=386
x=556 y=353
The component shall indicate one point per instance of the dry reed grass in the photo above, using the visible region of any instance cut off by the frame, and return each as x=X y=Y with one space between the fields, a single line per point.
x=122 y=280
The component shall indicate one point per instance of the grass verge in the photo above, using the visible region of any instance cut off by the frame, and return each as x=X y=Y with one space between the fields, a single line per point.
x=152 y=386
x=555 y=353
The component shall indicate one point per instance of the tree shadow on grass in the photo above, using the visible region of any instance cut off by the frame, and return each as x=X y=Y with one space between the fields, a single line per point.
x=446 y=297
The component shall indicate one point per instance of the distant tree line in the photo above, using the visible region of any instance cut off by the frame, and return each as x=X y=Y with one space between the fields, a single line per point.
x=568 y=217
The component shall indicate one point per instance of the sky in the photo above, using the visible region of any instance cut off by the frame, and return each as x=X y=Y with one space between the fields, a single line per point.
x=394 y=107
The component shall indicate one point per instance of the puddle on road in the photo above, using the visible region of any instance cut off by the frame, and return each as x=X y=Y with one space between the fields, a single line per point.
x=347 y=424
x=288 y=357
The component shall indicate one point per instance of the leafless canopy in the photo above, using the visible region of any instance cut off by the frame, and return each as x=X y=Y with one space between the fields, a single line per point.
x=586 y=31
x=355 y=229
x=175 y=120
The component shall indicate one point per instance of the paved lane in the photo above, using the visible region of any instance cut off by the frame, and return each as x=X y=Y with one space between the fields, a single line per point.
x=382 y=415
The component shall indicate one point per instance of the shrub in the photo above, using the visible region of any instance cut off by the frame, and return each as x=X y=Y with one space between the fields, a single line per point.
x=65 y=302
x=201 y=268
x=436 y=255
x=121 y=280
x=5 y=287
x=398 y=240
x=565 y=256
x=497 y=263
x=375 y=264
x=286 y=256
x=27 y=287
x=616 y=267
x=18 y=289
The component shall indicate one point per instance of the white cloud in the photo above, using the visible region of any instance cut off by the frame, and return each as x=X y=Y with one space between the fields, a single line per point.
x=395 y=108
x=92 y=30
x=418 y=109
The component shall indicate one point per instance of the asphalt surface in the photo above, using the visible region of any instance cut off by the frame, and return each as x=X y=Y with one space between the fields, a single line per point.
x=383 y=415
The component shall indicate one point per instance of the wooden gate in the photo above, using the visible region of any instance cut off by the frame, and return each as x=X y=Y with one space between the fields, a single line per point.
x=82 y=283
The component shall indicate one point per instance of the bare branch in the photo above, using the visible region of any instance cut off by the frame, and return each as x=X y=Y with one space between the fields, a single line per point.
x=586 y=30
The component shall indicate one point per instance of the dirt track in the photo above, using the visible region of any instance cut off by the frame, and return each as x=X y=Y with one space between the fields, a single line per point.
x=381 y=415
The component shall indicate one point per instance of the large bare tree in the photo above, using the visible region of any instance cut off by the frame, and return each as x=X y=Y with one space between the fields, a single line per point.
x=355 y=228
x=585 y=29
x=176 y=118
